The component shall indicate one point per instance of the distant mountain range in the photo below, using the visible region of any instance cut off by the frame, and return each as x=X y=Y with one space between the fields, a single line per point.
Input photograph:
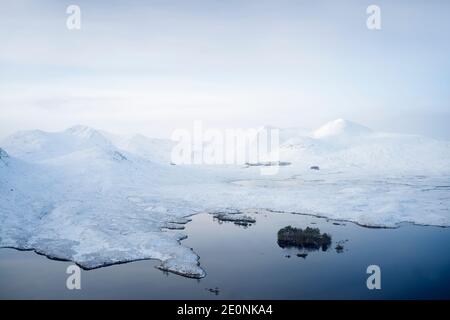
x=336 y=144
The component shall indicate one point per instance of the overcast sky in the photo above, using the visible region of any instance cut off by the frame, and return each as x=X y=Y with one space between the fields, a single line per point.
x=154 y=66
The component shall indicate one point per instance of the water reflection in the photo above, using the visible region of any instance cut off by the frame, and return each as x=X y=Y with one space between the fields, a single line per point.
x=249 y=264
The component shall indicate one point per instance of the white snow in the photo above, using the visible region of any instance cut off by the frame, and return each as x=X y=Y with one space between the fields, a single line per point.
x=339 y=128
x=97 y=198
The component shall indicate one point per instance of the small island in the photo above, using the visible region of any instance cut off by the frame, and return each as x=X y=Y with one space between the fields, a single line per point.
x=309 y=238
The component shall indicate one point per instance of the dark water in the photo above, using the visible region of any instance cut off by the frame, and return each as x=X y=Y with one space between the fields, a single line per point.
x=247 y=263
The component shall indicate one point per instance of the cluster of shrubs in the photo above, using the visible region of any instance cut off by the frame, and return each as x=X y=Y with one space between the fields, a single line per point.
x=309 y=238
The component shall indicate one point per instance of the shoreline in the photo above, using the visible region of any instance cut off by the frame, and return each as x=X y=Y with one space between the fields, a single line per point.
x=213 y=214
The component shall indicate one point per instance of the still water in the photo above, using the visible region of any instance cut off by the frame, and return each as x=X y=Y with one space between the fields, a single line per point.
x=248 y=263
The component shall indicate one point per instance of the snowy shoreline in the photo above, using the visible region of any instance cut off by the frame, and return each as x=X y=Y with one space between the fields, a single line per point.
x=202 y=274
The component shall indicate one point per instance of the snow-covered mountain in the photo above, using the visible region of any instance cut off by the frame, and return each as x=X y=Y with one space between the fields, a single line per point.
x=40 y=146
x=97 y=198
x=75 y=195
x=340 y=128
x=342 y=144
x=157 y=150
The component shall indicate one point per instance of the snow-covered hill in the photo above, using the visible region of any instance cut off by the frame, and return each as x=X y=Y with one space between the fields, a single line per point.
x=341 y=145
x=97 y=198
x=40 y=146
x=157 y=150
x=340 y=128
x=74 y=195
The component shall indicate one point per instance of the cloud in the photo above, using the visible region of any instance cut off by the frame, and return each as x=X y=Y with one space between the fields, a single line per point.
x=246 y=62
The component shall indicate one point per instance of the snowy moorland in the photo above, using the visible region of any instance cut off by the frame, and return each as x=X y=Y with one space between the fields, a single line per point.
x=97 y=198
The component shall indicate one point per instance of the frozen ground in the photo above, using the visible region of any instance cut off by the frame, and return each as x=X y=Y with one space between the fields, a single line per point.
x=98 y=199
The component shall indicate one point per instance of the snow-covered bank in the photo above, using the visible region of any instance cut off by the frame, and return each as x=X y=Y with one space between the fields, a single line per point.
x=98 y=199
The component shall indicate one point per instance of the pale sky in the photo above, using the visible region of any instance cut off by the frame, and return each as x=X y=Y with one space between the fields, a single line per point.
x=155 y=66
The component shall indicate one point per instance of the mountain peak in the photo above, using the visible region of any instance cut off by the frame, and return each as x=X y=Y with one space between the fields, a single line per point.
x=340 y=127
x=81 y=131
x=87 y=133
